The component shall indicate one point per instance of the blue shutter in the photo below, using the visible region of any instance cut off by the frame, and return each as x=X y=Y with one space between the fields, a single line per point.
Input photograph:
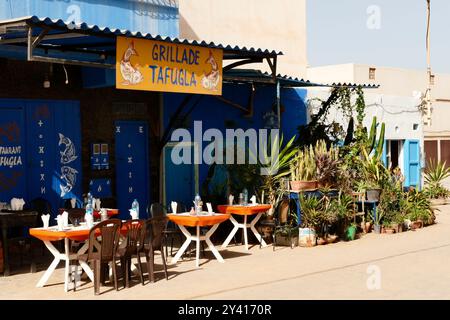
x=384 y=155
x=411 y=151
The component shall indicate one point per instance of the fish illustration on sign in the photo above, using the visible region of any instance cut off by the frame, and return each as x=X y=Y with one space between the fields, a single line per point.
x=211 y=79
x=11 y=132
x=68 y=154
x=130 y=73
x=68 y=180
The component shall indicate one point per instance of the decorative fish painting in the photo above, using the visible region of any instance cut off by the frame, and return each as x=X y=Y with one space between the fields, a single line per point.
x=68 y=179
x=68 y=155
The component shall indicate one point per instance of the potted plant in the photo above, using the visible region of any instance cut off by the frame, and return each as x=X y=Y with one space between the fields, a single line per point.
x=287 y=235
x=435 y=173
x=327 y=164
x=274 y=169
x=342 y=212
x=388 y=228
x=377 y=217
x=311 y=220
x=303 y=170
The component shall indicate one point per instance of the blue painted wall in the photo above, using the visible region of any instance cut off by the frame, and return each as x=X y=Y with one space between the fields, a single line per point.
x=50 y=136
x=149 y=16
x=215 y=113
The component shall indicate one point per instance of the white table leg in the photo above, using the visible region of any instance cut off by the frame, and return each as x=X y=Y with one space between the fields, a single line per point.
x=83 y=264
x=197 y=251
x=52 y=266
x=67 y=265
x=255 y=232
x=184 y=246
x=245 y=233
x=232 y=233
x=210 y=244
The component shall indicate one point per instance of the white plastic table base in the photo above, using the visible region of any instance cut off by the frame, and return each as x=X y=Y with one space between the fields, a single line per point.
x=197 y=238
x=66 y=257
x=245 y=226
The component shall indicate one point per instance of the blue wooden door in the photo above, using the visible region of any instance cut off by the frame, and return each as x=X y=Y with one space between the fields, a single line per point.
x=132 y=166
x=12 y=151
x=180 y=180
x=411 y=151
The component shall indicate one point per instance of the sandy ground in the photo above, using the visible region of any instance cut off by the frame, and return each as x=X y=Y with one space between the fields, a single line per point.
x=409 y=265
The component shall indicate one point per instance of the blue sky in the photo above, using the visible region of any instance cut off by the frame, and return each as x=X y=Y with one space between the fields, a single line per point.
x=338 y=32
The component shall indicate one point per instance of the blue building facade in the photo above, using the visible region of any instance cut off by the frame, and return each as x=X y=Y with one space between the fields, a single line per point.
x=147 y=16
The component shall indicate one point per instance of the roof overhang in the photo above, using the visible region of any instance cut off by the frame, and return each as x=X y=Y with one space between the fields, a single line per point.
x=55 y=41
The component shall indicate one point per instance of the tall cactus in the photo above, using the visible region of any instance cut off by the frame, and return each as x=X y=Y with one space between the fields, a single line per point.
x=374 y=144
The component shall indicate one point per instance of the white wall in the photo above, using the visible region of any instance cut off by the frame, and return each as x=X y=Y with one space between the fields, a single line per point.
x=395 y=82
x=269 y=24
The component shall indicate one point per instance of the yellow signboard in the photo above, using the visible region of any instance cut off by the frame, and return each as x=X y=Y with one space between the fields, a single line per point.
x=161 y=66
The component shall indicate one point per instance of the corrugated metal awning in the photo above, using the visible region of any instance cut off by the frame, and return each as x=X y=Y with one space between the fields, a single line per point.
x=92 y=39
x=256 y=76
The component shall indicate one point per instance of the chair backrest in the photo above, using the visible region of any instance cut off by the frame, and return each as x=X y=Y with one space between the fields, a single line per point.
x=67 y=204
x=104 y=238
x=40 y=205
x=76 y=213
x=157 y=210
x=134 y=235
x=283 y=211
x=155 y=229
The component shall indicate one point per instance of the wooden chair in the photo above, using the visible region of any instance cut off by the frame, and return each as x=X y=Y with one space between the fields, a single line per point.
x=103 y=244
x=131 y=247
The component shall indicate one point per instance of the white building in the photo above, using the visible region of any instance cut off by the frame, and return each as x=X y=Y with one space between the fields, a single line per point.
x=396 y=102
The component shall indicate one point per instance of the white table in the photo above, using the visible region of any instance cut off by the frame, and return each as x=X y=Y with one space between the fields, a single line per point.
x=184 y=220
x=49 y=235
x=245 y=211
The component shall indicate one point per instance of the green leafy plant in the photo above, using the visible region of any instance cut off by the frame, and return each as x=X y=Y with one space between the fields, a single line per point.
x=435 y=174
x=276 y=167
x=312 y=212
x=327 y=163
x=303 y=165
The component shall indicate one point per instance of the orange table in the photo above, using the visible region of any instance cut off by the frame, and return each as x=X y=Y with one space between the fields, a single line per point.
x=51 y=234
x=48 y=235
x=244 y=211
x=184 y=220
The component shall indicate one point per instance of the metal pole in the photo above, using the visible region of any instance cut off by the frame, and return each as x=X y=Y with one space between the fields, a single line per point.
x=428 y=95
x=278 y=105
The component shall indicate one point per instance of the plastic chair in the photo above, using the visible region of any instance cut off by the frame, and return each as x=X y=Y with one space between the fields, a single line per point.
x=131 y=247
x=171 y=231
x=156 y=238
x=281 y=221
x=103 y=244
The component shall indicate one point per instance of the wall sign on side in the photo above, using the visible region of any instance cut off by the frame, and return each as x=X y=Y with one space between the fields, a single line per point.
x=160 y=66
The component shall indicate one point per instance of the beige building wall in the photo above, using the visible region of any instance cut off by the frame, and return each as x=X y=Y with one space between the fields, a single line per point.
x=270 y=24
x=396 y=82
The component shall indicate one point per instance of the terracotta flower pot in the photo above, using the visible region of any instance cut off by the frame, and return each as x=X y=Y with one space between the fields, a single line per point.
x=332 y=238
x=389 y=230
x=367 y=227
x=416 y=225
x=297 y=185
